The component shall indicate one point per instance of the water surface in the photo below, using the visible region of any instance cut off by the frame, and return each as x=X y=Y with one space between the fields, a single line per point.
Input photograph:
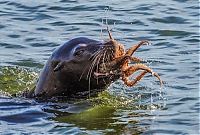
x=31 y=30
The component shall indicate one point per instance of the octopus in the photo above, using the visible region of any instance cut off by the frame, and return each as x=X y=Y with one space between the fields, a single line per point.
x=120 y=63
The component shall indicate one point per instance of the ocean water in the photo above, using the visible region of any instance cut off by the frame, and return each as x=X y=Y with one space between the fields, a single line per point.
x=31 y=30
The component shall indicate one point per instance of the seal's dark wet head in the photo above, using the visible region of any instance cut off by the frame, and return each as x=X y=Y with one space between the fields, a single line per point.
x=75 y=51
x=88 y=57
x=72 y=67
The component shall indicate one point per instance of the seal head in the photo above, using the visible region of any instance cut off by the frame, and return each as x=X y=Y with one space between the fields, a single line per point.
x=74 y=67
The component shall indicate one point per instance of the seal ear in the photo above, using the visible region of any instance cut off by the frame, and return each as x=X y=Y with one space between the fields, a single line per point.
x=59 y=66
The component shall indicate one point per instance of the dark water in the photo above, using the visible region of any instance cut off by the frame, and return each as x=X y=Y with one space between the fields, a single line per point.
x=31 y=30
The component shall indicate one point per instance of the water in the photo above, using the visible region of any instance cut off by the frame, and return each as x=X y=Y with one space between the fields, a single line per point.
x=31 y=30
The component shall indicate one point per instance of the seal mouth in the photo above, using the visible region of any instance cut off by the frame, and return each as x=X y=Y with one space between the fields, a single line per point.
x=111 y=68
x=108 y=60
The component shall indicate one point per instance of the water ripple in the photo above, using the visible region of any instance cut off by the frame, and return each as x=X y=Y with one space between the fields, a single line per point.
x=7 y=45
x=177 y=33
x=170 y=19
x=31 y=30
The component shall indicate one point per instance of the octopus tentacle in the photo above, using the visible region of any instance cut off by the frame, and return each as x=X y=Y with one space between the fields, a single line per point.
x=157 y=76
x=131 y=50
x=133 y=82
x=109 y=33
x=130 y=70
x=118 y=61
x=135 y=59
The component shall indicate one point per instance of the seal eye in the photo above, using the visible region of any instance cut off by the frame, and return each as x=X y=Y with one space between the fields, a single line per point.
x=78 y=53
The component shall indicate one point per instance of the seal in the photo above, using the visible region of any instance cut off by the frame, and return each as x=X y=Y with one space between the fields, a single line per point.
x=70 y=69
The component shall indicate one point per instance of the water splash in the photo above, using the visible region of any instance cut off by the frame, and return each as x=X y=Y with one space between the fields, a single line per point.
x=16 y=79
x=105 y=23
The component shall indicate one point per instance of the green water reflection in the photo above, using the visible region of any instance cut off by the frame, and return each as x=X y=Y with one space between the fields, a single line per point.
x=15 y=79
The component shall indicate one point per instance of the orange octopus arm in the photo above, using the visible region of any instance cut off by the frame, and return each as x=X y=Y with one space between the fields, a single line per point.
x=131 y=50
